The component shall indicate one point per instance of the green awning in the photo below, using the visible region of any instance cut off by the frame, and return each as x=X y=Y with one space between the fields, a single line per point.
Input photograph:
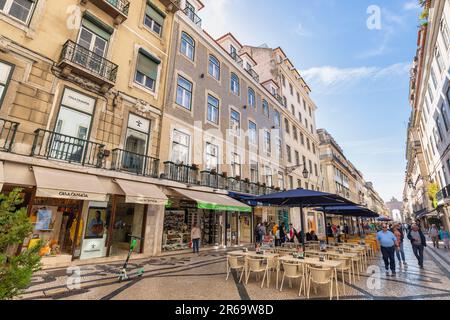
x=213 y=201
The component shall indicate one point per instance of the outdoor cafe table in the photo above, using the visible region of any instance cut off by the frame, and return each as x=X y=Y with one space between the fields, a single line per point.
x=333 y=264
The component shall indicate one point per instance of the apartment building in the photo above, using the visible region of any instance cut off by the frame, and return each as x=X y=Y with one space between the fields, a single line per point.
x=82 y=88
x=428 y=157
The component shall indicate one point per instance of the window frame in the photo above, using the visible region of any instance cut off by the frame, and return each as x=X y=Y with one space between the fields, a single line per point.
x=215 y=66
x=251 y=93
x=232 y=77
x=7 y=82
x=7 y=8
x=193 y=45
x=208 y=105
x=176 y=94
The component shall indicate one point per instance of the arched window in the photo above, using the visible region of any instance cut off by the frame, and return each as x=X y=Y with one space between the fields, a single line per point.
x=234 y=84
x=251 y=98
x=214 y=67
x=187 y=46
x=265 y=106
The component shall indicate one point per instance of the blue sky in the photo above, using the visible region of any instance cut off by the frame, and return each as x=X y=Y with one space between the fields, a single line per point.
x=359 y=76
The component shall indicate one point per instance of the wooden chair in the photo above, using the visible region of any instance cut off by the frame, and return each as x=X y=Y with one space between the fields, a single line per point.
x=294 y=271
x=235 y=263
x=320 y=276
x=257 y=266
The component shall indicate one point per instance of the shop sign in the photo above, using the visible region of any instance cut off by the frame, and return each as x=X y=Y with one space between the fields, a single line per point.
x=68 y=194
x=144 y=200
x=188 y=204
x=78 y=101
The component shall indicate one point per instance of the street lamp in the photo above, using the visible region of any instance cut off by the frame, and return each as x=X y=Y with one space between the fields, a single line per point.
x=305 y=172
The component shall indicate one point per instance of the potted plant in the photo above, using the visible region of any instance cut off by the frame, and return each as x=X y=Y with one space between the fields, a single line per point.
x=238 y=178
x=213 y=171
x=194 y=166
x=224 y=174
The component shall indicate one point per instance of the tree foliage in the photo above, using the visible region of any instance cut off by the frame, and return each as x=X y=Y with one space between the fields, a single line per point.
x=15 y=270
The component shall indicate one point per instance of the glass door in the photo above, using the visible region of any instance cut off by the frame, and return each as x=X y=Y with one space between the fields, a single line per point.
x=135 y=150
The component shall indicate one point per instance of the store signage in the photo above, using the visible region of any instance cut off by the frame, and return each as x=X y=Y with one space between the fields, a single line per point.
x=68 y=194
x=138 y=123
x=144 y=200
x=78 y=101
x=188 y=204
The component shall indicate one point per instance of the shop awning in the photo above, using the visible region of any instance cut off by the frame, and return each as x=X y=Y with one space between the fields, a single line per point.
x=213 y=201
x=143 y=193
x=68 y=185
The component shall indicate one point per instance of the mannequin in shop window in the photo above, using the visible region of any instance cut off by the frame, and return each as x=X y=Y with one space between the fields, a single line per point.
x=96 y=226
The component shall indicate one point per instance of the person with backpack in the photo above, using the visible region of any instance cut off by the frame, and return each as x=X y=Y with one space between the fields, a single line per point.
x=418 y=242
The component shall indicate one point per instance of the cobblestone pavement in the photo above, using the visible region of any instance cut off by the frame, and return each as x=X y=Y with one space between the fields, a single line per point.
x=202 y=277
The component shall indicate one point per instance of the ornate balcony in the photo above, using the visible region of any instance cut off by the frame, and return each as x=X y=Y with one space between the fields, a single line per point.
x=8 y=131
x=181 y=173
x=117 y=9
x=57 y=146
x=131 y=162
x=79 y=60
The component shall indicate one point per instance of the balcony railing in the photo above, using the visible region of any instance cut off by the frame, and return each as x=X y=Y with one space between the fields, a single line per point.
x=443 y=194
x=88 y=63
x=253 y=73
x=121 y=5
x=236 y=58
x=53 y=145
x=237 y=185
x=139 y=164
x=279 y=98
x=172 y=5
x=180 y=173
x=8 y=131
x=212 y=180
x=193 y=16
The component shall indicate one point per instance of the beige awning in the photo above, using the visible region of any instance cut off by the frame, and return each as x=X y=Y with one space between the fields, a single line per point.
x=143 y=193
x=213 y=201
x=18 y=174
x=68 y=185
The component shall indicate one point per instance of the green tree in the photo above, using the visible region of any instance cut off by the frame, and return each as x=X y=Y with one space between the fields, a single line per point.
x=433 y=189
x=15 y=270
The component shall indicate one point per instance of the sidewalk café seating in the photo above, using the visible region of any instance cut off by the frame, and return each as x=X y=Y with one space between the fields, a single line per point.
x=257 y=266
x=320 y=276
x=272 y=264
x=235 y=263
x=346 y=266
x=294 y=271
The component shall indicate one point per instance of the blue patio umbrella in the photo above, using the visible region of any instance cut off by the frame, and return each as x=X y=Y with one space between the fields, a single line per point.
x=384 y=218
x=304 y=199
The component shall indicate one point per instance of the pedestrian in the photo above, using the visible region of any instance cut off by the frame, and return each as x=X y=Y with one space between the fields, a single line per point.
x=277 y=238
x=434 y=235
x=399 y=249
x=292 y=232
x=196 y=234
x=282 y=233
x=418 y=243
x=387 y=241
x=257 y=240
x=262 y=232
x=445 y=236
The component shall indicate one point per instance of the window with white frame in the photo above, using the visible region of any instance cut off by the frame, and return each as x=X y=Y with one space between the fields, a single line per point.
x=297 y=158
x=281 y=180
x=265 y=106
x=268 y=176
x=439 y=60
x=267 y=142
x=154 y=18
x=235 y=122
x=5 y=75
x=146 y=70
x=279 y=148
x=252 y=133
x=433 y=78
x=289 y=153
x=212 y=157
x=234 y=84
x=430 y=93
x=235 y=164
x=180 y=147
x=254 y=175
x=251 y=98
x=213 y=109
x=445 y=34
x=444 y=116
x=276 y=118
x=214 y=67
x=287 y=126
x=18 y=9
x=184 y=93
x=187 y=46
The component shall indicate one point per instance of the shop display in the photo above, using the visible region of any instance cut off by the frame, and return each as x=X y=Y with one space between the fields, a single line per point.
x=176 y=234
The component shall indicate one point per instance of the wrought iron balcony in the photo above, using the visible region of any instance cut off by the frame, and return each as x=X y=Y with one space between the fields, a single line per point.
x=118 y=9
x=237 y=185
x=193 y=16
x=79 y=60
x=212 y=180
x=236 y=58
x=139 y=164
x=279 y=98
x=180 y=173
x=53 y=145
x=253 y=74
x=8 y=131
x=443 y=195
x=172 y=5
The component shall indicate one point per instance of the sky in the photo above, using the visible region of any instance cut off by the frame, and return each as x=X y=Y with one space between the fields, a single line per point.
x=356 y=57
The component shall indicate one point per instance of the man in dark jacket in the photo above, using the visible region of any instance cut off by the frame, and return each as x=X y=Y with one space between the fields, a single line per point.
x=418 y=243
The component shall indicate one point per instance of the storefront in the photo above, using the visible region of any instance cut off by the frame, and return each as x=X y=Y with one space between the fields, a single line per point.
x=222 y=220
x=272 y=216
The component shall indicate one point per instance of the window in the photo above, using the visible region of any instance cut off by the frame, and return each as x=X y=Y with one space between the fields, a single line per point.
x=312 y=129
x=308 y=144
x=443 y=112
x=254 y=175
x=233 y=51
x=300 y=116
x=315 y=170
x=291 y=183
x=235 y=122
x=289 y=154
x=180 y=147
x=293 y=110
x=268 y=176
x=310 y=112
x=297 y=158
x=430 y=93
x=299 y=183
x=304 y=105
x=136 y=143
x=213 y=109
x=302 y=138
x=18 y=9
x=283 y=79
x=298 y=97
x=5 y=76
x=154 y=18
x=187 y=46
x=310 y=167
x=306 y=123
x=235 y=165
x=439 y=60
x=214 y=67
x=147 y=70
x=267 y=143
x=212 y=157
x=291 y=89
x=281 y=180
x=295 y=132
x=445 y=33
x=276 y=117
x=252 y=133
x=433 y=78
x=265 y=106
x=251 y=98
x=234 y=84
x=284 y=102
x=314 y=148
x=304 y=160
x=286 y=126
x=184 y=93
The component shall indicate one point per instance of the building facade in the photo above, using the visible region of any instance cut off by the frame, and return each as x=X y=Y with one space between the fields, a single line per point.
x=428 y=159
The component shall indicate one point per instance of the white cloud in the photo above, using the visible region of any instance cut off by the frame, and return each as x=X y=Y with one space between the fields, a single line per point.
x=217 y=16
x=328 y=78
x=302 y=32
x=411 y=5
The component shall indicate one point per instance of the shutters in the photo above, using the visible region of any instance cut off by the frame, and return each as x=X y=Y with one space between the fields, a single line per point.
x=96 y=26
x=155 y=14
x=148 y=64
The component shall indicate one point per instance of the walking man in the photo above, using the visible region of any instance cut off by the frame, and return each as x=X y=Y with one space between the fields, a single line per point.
x=387 y=242
x=196 y=234
x=434 y=235
x=418 y=243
